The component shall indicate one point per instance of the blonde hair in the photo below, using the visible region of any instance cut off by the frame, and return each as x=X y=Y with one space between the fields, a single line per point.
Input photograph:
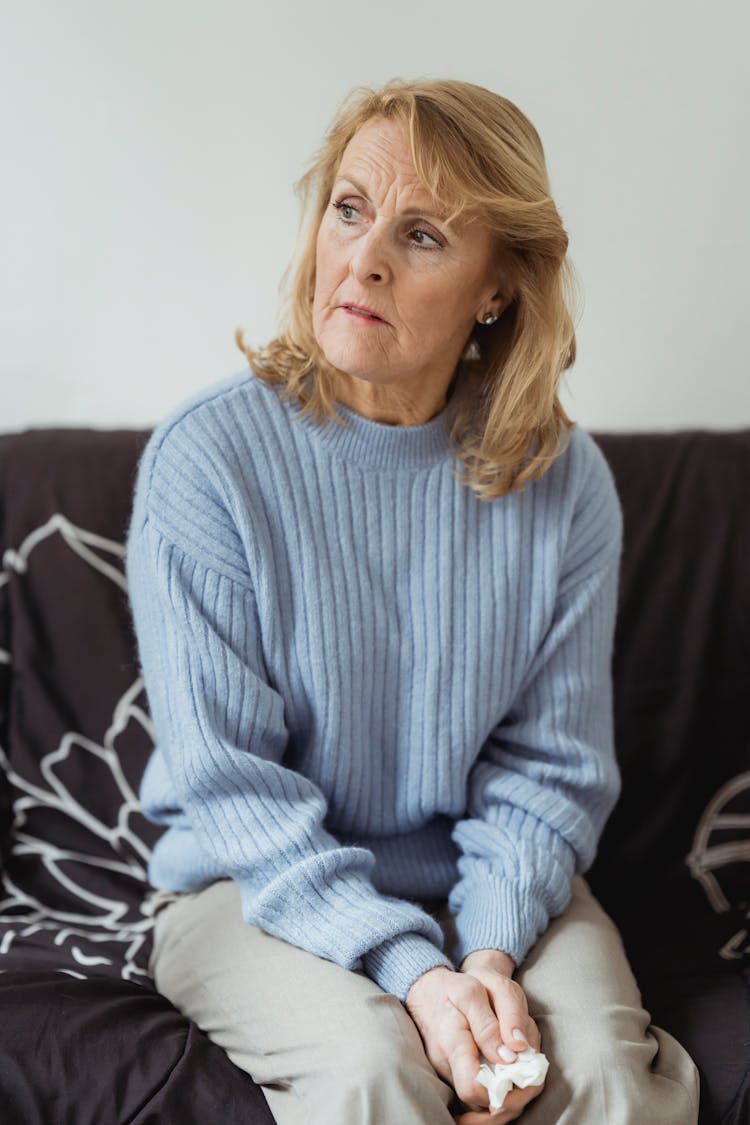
x=481 y=158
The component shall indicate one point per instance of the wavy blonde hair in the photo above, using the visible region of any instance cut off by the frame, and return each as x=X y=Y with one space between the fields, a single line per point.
x=480 y=158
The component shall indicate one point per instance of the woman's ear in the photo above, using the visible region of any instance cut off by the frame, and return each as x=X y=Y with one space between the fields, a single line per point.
x=505 y=279
x=493 y=306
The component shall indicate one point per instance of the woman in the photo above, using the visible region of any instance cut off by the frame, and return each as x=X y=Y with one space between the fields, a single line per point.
x=380 y=686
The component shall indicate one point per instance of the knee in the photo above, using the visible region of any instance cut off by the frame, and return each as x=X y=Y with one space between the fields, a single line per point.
x=648 y=1078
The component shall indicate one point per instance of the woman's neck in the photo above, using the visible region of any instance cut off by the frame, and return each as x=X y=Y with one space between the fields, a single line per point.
x=392 y=405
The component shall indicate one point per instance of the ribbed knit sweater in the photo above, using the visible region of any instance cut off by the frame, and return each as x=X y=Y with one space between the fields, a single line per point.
x=370 y=688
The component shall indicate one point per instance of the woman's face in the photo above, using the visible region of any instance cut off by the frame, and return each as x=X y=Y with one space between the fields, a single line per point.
x=381 y=244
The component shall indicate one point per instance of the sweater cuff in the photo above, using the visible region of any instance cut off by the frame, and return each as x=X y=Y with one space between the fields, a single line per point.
x=400 y=960
x=502 y=916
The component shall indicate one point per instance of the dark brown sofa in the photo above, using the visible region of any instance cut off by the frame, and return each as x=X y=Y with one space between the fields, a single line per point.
x=86 y=1040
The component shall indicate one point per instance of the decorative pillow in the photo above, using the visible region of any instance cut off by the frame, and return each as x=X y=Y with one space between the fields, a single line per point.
x=76 y=734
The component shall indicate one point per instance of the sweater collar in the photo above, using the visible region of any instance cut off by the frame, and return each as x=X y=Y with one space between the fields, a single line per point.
x=378 y=445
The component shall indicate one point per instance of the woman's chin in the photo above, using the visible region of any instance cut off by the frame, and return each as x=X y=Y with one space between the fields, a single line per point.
x=357 y=366
x=354 y=352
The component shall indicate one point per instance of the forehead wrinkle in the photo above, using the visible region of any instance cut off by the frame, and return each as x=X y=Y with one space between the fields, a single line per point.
x=385 y=158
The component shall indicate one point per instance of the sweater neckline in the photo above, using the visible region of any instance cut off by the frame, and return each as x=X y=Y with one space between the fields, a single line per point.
x=380 y=445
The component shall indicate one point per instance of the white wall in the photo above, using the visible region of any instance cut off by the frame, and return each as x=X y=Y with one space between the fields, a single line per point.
x=149 y=149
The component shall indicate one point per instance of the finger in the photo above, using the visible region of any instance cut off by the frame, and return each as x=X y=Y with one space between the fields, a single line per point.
x=517 y=1028
x=513 y=1105
x=520 y=1096
x=464 y=1063
x=478 y=1118
x=517 y=1099
x=484 y=1025
x=526 y=1029
x=486 y=1117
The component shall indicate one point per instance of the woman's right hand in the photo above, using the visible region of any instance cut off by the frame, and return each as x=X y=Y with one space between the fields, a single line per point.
x=460 y=1016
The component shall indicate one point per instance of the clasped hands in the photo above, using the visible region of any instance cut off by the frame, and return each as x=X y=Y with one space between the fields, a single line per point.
x=474 y=1011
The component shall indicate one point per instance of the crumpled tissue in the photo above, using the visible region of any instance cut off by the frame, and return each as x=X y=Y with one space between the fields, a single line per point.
x=529 y=1069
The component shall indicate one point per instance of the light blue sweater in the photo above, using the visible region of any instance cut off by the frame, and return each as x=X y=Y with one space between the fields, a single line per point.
x=367 y=685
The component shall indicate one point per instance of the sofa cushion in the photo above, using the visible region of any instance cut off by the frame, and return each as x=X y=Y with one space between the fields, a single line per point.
x=105 y=1050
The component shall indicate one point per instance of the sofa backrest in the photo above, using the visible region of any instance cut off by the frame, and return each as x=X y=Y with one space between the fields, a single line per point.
x=75 y=732
x=674 y=859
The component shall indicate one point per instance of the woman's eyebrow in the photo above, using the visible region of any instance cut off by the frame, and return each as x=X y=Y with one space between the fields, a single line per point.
x=408 y=211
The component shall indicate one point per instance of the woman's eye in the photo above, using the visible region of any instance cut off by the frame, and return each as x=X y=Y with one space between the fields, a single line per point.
x=418 y=230
x=341 y=207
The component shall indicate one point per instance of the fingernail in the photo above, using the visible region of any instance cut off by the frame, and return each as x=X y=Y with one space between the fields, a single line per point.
x=519 y=1035
x=506 y=1054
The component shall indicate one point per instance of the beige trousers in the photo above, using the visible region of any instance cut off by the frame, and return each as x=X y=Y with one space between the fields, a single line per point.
x=326 y=1044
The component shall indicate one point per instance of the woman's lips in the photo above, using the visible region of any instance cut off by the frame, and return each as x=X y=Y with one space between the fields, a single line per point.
x=362 y=316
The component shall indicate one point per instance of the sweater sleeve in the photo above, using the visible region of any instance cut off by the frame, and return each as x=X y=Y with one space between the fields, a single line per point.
x=220 y=729
x=547 y=778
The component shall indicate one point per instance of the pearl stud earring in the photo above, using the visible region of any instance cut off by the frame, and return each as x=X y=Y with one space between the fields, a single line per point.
x=489 y=319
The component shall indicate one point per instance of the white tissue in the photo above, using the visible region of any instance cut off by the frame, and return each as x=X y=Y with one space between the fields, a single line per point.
x=529 y=1069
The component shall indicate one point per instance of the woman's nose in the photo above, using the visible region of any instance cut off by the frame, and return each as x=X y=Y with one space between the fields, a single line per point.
x=370 y=257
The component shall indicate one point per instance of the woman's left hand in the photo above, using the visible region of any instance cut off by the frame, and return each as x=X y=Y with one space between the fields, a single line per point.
x=494 y=970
